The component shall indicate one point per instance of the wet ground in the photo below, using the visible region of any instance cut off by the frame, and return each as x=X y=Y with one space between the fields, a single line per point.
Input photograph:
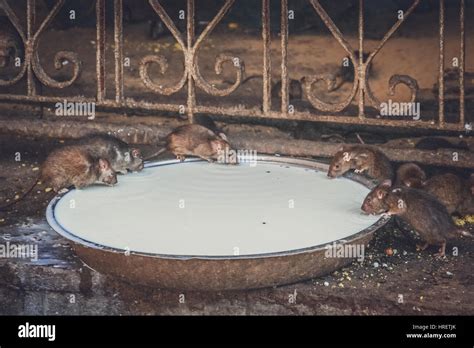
x=407 y=282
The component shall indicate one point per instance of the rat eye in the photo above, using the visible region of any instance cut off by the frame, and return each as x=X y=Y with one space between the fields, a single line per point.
x=337 y=166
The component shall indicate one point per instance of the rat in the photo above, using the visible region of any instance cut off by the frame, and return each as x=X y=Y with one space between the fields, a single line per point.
x=295 y=87
x=120 y=155
x=209 y=123
x=410 y=175
x=72 y=166
x=451 y=190
x=434 y=143
x=467 y=206
x=345 y=74
x=361 y=158
x=423 y=212
x=197 y=140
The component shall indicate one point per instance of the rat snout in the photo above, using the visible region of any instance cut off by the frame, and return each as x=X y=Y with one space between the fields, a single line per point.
x=331 y=174
x=111 y=180
x=364 y=208
x=136 y=166
x=367 y=207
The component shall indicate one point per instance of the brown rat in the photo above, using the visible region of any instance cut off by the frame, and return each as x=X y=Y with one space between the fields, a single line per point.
x=361 y=158
x=410 y=175
x=451 y=190
x=295 y=87
x=72 y=166
x=426 y=215
x=434 y=143
x=197 y=140
x=121 y=156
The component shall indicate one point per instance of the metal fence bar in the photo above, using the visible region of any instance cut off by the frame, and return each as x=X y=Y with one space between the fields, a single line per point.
x=267 y=63
x=100 y=49
x=188 y=60
x=30 y=17
x=360 y=67
x=36 y=76
x=441 y=64
x=462 y=56
x=130 y=103
x=284 y=58
x=118 y=49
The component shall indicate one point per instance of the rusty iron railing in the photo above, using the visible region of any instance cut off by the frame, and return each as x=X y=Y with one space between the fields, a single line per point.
x=192 y=77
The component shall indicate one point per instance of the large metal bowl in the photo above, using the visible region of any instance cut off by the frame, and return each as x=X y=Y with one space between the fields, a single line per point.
x=217 y=272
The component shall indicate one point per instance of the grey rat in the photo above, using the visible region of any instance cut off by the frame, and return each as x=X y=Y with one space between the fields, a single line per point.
x=122 y=157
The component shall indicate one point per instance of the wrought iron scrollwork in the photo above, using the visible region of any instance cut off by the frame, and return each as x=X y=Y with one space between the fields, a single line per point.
x=361 y=68
x=190 y=51
x=16 y=24
x=31 y=51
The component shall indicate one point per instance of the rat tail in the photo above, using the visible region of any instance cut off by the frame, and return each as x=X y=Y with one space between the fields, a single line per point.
x=4 y=207
x=155 y=154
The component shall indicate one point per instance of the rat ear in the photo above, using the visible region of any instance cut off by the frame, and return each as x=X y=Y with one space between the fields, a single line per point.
x=380 y=193
x=386 y=183
x=103 y=164
x=223 y=136
x=136 y=153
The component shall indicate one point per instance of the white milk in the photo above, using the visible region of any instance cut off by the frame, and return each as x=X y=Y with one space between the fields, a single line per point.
x=197 y=208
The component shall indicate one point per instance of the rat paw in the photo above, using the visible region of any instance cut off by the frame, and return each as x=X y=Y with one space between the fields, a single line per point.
x=421 y=247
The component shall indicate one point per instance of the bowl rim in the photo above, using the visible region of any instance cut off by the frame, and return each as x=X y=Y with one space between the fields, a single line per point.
x=298 y=162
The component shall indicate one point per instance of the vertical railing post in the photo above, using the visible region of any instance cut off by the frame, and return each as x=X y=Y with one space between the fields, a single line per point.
x=361 y=71
x=118 y=49
x=267 y=63
x=189 y=61
x=441 y=64
x=100 y=50
x=284 y=58
x=462 y=56
x=30 y=19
